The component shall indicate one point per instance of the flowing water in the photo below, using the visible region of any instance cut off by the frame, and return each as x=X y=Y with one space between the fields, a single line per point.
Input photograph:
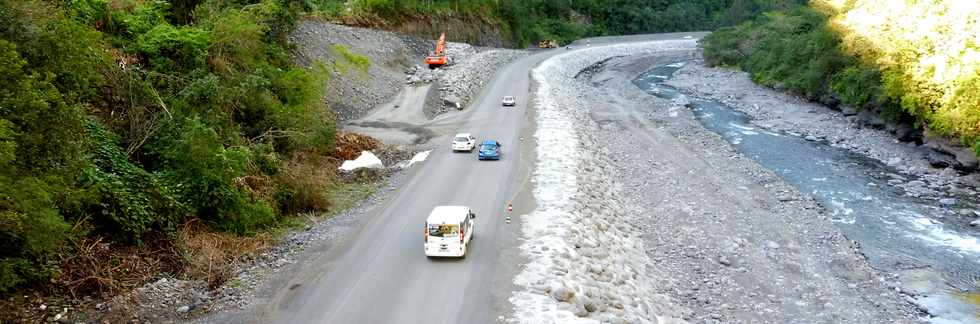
x=899 y=234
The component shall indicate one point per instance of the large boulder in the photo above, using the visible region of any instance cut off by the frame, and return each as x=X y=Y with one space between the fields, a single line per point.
x=908 y=133
x=965 y=158
x=941 y=160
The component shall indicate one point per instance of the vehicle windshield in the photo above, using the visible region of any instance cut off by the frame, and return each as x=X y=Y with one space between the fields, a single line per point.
x=462 y=139
x=488 y=147
x=443 y=230
x=509 y=98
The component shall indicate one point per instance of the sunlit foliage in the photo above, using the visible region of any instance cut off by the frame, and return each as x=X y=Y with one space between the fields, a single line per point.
x=917 y=60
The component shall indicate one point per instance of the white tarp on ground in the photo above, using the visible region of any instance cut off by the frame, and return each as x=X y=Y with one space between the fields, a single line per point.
x=419 y=157
x=366 y=160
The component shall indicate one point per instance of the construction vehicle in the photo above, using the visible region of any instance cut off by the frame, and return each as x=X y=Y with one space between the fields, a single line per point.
x=550 y=43
x=438 y=57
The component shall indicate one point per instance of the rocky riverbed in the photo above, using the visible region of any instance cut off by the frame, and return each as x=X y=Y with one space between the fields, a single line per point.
x=723 y=238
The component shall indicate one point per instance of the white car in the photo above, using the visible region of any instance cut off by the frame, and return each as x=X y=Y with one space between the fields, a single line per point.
x=448 y=230
x=464 y=142
x=509 y=101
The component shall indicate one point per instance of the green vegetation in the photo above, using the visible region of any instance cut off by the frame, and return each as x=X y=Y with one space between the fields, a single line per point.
x=125 y=119
x=916 y=62
x=528 y=21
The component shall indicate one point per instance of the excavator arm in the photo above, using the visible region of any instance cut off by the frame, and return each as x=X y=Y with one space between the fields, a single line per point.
x=438 y=57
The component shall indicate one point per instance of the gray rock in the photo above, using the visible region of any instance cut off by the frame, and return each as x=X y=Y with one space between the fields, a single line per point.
x=975 y=222
x=907 y=133
x=183 y=309
x=916 y=183
x=562 y=294
x=871 y=119
x=941 y=160
x=848 y=111
x=724 y=261
x=947 y=201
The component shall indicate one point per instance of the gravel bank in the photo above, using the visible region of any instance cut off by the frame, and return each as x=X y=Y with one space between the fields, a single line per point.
x=395 y=63
x=722 y=238
x=351 y=95
x=461 y=82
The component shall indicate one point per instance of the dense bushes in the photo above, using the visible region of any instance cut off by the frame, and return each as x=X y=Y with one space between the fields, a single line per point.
x=527 y=21
x=125 y=118
x=917 y=61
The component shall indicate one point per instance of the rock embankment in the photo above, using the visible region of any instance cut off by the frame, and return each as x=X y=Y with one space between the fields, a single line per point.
x=587 y=262
x=396 y=61
x=461 y=82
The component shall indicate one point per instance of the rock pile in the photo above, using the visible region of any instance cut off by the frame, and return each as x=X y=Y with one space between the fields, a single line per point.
x=460 y=82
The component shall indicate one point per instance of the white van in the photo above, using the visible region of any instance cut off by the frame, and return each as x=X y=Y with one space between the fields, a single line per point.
x=448 y=231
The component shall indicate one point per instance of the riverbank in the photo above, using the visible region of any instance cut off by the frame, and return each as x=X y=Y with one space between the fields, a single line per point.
x=722 y=238
x=916 y=174
x=912 y=222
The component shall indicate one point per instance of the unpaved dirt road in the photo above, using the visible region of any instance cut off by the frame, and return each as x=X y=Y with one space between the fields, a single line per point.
x=380 y=275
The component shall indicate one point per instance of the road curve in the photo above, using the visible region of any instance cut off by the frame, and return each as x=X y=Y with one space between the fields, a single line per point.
x=379 y=274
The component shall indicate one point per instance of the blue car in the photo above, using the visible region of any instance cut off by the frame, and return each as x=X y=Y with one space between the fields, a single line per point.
x=490 y=150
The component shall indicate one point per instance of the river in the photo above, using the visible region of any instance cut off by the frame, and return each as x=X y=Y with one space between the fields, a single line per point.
x=938 y=263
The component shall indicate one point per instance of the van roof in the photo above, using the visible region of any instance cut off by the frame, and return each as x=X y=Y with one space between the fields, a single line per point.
x=463 y=135
x=447 y=214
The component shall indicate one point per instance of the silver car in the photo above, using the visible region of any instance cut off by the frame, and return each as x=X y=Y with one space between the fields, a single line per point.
x=509 y=101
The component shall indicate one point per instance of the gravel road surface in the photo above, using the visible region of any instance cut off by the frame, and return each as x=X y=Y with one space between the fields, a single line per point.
x=378 y=272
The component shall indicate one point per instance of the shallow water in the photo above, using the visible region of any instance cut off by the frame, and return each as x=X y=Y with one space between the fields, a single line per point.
x=898 y=233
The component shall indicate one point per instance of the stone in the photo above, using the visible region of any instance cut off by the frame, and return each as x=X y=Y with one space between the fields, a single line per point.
x=975 y=222
x=907 y=133
x=916 y=183
x=724 y=261
x=772 y=245
x=870 y=119
x=562 y=294
x=894 y=161
x=940 y=160
x=183 y=309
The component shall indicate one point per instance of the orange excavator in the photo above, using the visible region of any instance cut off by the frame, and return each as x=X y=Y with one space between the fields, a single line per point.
x=438 y=58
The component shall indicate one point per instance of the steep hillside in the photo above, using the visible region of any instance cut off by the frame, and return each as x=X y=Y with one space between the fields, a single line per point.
x=124 y=121
x=523 y=22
